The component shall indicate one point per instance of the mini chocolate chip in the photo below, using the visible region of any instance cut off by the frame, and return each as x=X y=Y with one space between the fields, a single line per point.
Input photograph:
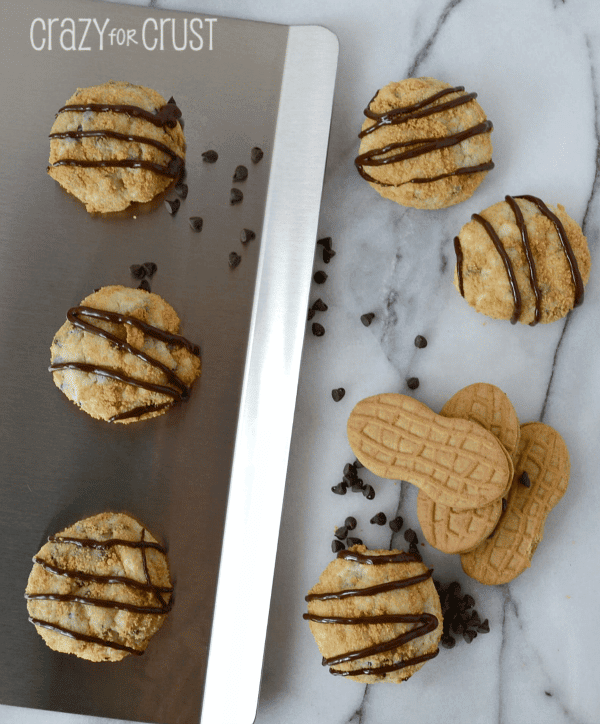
x=318 y=329
x=358 y=487
x=256 y=154
x=366 y=319
x=448 y=642
x=524 y=479
x=328 y=255
x=350 y=470
x=504 y=504
x=341 y=533
x=412 y=382
x=350 y=522
x=420 y=341
x=379 y=519
x=80 y=127
x=396 y=524
x=310 y=315
x=172 y=100
x=320 y=306
x=484 y=627
x=354 y=542
x=150 y=268
x=410 y=536
x=234 y=259
x=320 y=277
x=182 y=190
x=338 y=394
x=325 y=242
x=241 y=173
x=172 y=206
x=412 y=548
x=144 y=285
x=457 y=626
x=336 y=546
x=339 y=489
x=357 y=464
x=210 y=156
x=474 y=620
x=247 y=235
x=468 y=601
x=137 y=271
x=196 y=222
x=369 y=492
x=469 y=635
x=235 y=196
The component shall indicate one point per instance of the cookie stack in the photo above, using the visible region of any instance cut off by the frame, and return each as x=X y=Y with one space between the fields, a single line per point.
x=486 y=483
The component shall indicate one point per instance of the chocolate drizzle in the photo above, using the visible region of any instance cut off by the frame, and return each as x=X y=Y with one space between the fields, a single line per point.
x=162 y=609
x=167 y=116
x=425 y=622
x=520 y=221
x=419 y=146
x=177 y=390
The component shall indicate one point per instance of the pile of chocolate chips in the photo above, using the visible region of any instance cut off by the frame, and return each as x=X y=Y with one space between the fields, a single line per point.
x=459 y=619
x=342 y=534
x=352 y=481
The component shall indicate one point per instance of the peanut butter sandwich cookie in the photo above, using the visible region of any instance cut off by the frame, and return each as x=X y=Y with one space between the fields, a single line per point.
x=116 y=143
x=119 y=357
x=375 y=615
x=100 y=589
x=523 y=261
x=424 y=143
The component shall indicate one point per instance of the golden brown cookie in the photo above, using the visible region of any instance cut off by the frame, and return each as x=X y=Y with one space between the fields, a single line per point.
x=116 y=143
x=375 y=615
x=541 y=479
x=424 y=143
x=100 y=589
x=521 y=260
x=455 y=462
x=119 y=357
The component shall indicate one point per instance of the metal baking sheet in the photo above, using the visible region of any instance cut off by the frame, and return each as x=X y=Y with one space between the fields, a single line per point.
x=207 y=478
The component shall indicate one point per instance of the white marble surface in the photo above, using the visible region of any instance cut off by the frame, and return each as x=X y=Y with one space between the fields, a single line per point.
x=536 y=68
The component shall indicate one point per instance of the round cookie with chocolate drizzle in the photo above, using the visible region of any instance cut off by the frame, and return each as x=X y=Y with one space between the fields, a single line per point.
x=425 y=143
x=375 y=615
x=116 y=143
x=119 y=357
x=522 y=260
x=100 y=589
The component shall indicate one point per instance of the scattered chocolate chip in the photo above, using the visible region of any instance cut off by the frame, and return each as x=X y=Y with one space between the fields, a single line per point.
x=172 y=206
x=469 y=602
x=396 y=524
x=341 y=533
x=210 y=156
x=80 y=128
x=256 y=154
x=412 y=382
x=504 y=504
x=320 y=306
x=379 y=519
x=358 y=486
x=336 y=546
x=412 y=548
x=410 y=536
x=448 y=642
x=320 y=277
x=524 y=479
x=328 y=255
x=325 y=242
x=310 y=315
x=339 y=489
x=182 y=190
x=350 y=522
x=144 y=285
x=338 y=394
x=354 y=542
x=150 y=268
x=420 y=341
x=172 y=100
x=357 y=464
x=196 y=222
x=474 y=620
x=484 y=627
x=241 y=173
x=366 y=319
x=369 y=492
x=247 y=235
x=350 y=470
x=234 y=259
x=235 y=196
x=137 y=271
x=318 y=329
x=469 y=635
x=457 y=626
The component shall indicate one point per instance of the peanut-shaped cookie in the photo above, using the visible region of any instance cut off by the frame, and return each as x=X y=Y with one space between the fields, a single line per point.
x=455 y=462
x=541 y=479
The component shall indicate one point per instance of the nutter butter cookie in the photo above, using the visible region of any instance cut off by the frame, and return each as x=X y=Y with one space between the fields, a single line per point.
x=116 y=143
x=522 y=260
x=375 y=615
x=100 y=589
x=425 y=143
x=119 y=357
